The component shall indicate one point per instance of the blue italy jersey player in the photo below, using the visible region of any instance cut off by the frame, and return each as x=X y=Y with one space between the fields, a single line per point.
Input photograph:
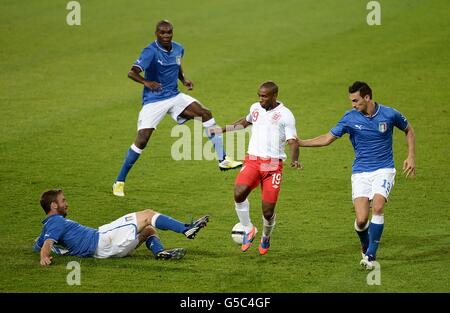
x=370 y=126
x=161 y=63
x=116 y=239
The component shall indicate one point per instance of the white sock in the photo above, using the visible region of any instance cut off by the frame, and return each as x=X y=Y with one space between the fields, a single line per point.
x=136 y=149
x=268 y=225
x=154 y=218
x=377 y=219
x=209 y=123
x=243 y=212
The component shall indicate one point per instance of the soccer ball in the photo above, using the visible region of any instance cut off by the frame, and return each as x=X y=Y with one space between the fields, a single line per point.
x=237 y=233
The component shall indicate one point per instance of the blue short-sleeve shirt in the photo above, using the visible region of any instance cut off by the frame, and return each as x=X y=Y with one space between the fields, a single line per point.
x=371 y=137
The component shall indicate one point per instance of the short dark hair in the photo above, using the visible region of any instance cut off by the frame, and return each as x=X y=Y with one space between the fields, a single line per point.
x=48 y=197
x=163 y=22
x=270 y=85
x=362 y=87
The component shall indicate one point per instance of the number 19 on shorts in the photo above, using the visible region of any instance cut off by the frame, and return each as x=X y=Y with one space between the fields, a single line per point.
x=276 y=179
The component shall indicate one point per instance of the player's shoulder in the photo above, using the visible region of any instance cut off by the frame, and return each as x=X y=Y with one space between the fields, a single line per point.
x=151 y=46
x=387 y=110
x=350 y=114
x=53 y=219
x=177 y=45
x=286 y=113
x=149 y=50
x=283 y=107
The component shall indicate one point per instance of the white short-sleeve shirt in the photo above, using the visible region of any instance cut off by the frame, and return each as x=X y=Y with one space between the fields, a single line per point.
x=270 y=131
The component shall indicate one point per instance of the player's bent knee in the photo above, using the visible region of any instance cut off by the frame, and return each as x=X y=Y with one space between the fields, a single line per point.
x=149 y=212
x=143 y=137
x=206 y=115
x=239 y=194
x=268 y=214
x=361 y=223
x=148 y=215
x=238 y=197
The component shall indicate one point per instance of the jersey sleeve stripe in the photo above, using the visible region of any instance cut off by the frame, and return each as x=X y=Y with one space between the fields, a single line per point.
x=139 y=67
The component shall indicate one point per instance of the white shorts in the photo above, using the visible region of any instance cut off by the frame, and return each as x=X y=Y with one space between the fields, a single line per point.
x=367 y=184
x=117 y=239
x=152 y=113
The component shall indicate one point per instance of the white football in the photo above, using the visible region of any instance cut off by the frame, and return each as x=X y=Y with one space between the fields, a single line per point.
x=237 y=233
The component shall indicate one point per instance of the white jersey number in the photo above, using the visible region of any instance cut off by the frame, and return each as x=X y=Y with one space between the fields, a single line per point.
x=276 y=179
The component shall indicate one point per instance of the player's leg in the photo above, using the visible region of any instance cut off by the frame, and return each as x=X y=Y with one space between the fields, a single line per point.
x=150 y=237
x=246 y=181
x=269 y=221
x=361 y=205
x=270 y=190
x=133 y=154
x=149 y=117
x=382 y=183
x=163 y=222
x=376 y=225
x=242 y=205
x=361 y=195
x=153 y=243
x=195 y=109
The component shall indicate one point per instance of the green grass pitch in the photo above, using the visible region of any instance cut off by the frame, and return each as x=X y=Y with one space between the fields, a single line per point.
x=68 y=114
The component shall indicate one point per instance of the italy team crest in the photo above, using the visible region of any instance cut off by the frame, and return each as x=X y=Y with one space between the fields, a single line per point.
x=382 y=127
x=179 y=59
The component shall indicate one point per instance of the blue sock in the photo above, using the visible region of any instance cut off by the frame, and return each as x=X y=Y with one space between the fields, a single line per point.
x=215 y=139
x=131 y=157
x=363 y=236
x=375 y=231
x=165 y=222
x=154 y=244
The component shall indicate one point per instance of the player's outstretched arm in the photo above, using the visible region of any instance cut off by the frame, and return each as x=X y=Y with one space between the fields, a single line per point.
x=409 y=165
x=320 y=141
x=46 y=249
x=293 y=143
x=135 y=75
x=239 y=124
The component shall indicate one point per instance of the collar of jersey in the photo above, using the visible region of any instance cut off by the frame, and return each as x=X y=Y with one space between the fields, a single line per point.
x=161 y=48
x=280 y=104
x=377 y=109
x=49 y=217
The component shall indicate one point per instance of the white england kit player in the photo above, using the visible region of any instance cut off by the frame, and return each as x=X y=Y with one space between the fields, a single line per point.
x=272 y=126
x=117 y=239
x=161 y=63
x=370 y=126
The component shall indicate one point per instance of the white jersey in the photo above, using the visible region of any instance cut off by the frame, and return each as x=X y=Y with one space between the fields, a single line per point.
x=270 y=131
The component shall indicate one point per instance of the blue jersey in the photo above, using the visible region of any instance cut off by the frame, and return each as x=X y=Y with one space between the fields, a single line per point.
x=77 y=239
x=371 y=137
x=161 y=66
